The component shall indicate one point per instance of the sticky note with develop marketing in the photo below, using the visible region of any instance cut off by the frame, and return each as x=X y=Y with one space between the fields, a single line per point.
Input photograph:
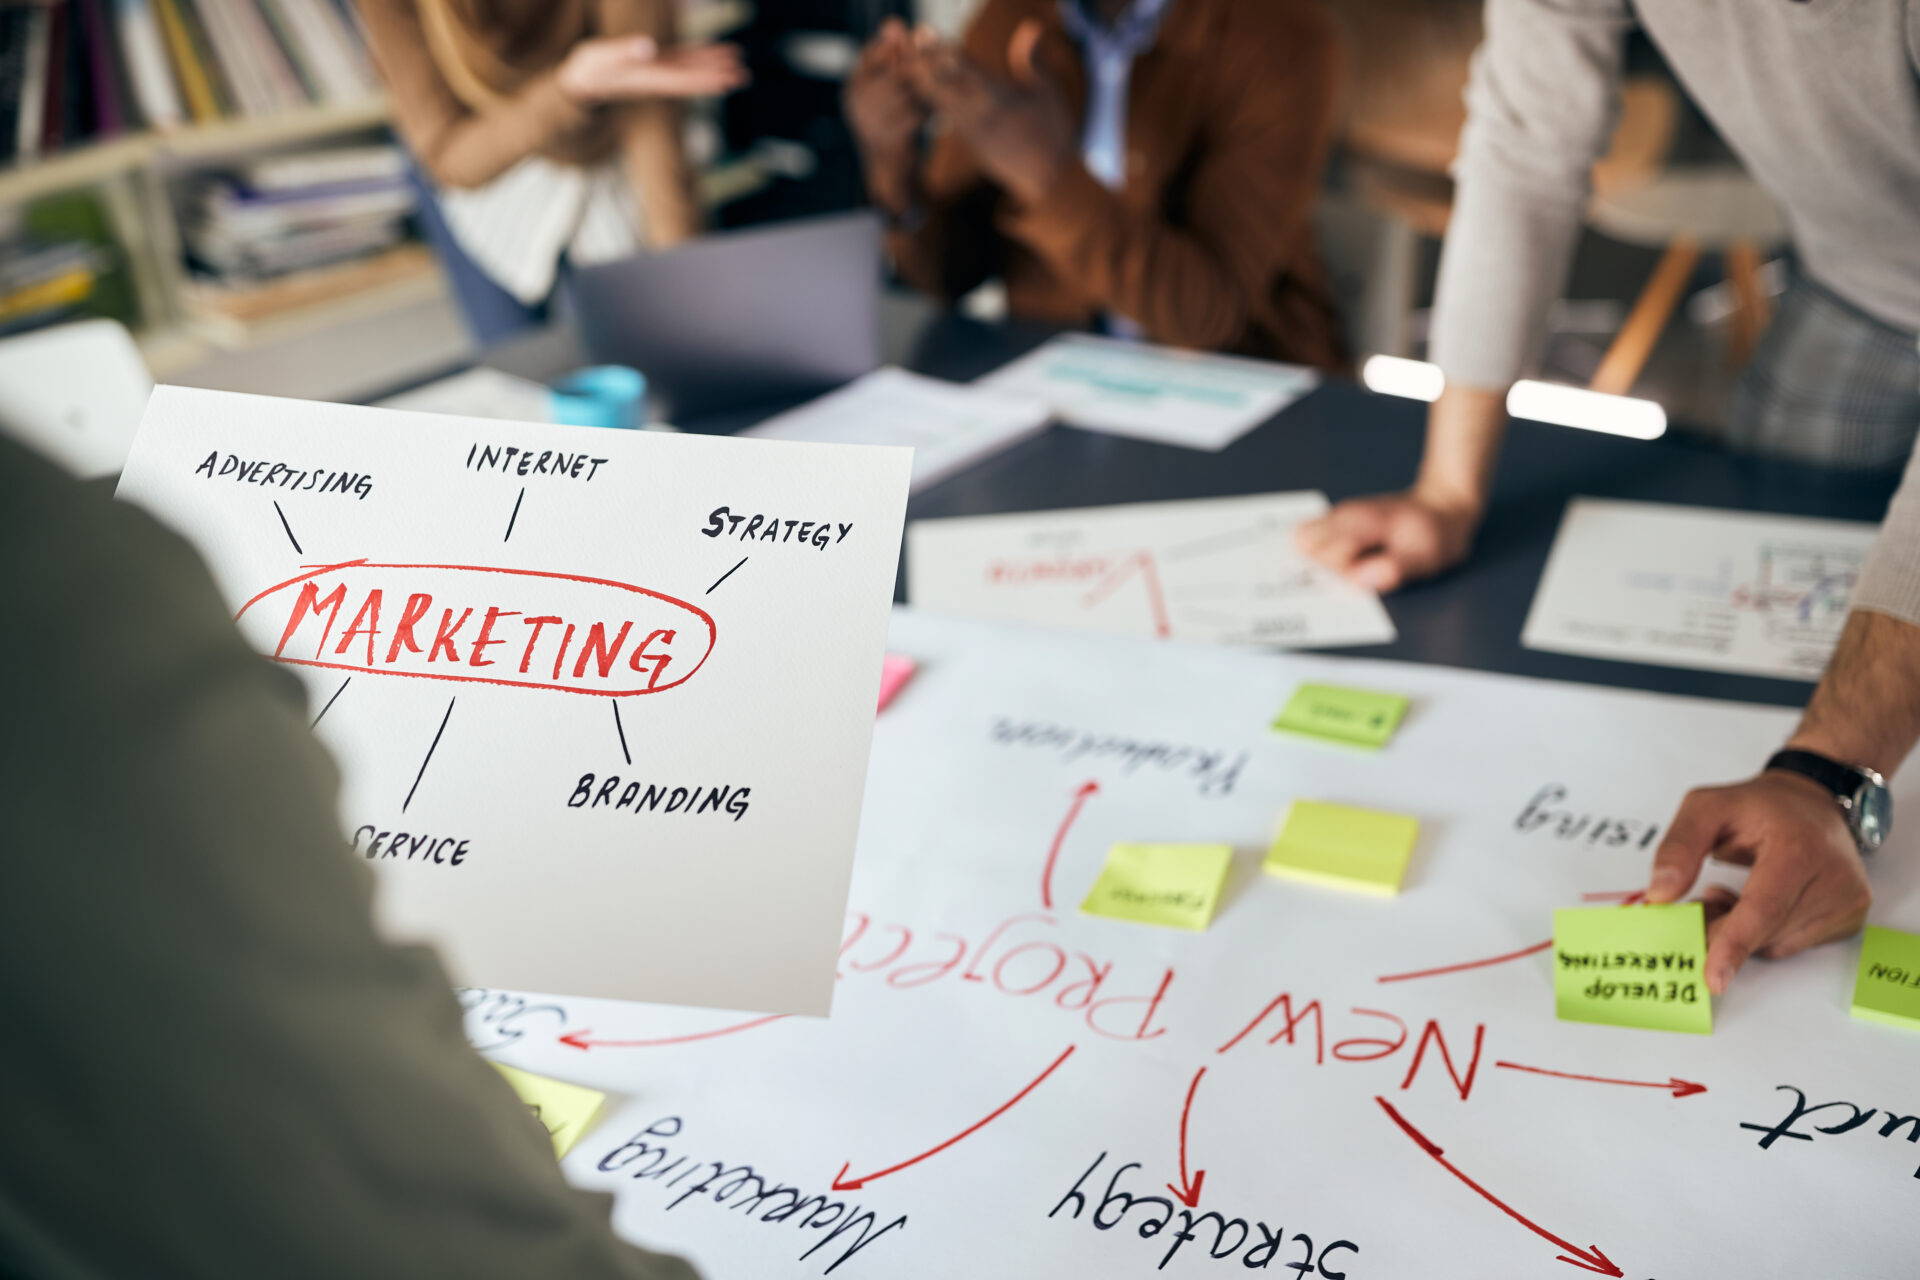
x=565 y=1111
x=1888 y=987
x=1357 y=717
x=1640 y=966
x=1344 y=847
x=1177 y=885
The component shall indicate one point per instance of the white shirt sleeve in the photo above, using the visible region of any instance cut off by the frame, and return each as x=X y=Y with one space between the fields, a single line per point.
x=1542 y=102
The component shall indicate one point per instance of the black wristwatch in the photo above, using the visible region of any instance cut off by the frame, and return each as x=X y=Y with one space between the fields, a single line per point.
x=1862 y=794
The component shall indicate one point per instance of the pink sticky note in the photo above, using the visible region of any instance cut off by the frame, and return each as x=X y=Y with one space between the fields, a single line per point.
x=894 y=674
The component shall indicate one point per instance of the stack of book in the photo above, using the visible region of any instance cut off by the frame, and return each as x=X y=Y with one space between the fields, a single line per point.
x=74 y=71
x=44 y=280
x=292 y=232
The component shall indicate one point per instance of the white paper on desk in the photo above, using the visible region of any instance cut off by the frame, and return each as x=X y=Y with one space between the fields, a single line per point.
x=1185 y=398
x=479 y=392
x=948 y=425
x=1218 y=569
x=1697 y=587
x=651 y=769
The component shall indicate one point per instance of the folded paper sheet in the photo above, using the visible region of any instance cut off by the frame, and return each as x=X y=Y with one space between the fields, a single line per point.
x=602 y=699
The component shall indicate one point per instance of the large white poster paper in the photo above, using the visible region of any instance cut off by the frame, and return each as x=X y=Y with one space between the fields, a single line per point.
x=602 y=699
x=1219 y=569
x=1187 y=398
x=1696 y=587
x=1341 y=1085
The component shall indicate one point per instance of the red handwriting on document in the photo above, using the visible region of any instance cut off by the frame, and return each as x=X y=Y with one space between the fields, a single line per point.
x=487 y=626
x=1589 y=1259
x=843 y=1183
x=1087 y=788
x=1188 y=1192
x=1673 y=1084
x=1365 y=1048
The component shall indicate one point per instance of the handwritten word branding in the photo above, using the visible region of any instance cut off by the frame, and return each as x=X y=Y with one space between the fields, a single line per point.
x=740 y=1189
x=1547 y=813
x=1857 y=1117
x=282 y=475
x=657 y=797
x=1214 y=770
x=1263 y=1245
x=513 y=460
x=452 y=622
x=725 y=522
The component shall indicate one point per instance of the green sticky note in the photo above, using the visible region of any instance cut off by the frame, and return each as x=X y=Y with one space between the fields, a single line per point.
x=565 y=1111
x=1888 y=988
x=1639 y=966
x=1168 y=884
x=1347 y=848
x=1357 y=717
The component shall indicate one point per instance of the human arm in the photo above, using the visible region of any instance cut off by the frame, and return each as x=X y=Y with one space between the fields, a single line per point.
x=1809 y=884
x=1542 y=101
x=192 y=993
x=464 y=147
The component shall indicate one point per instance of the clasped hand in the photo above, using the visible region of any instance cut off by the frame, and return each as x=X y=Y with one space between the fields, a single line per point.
x=1020 y=128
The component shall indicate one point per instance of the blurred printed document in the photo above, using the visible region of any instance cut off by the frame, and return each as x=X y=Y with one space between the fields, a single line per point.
x=948 y=425
x=1695 y=587
x=1221 y=569
x=1153 y=393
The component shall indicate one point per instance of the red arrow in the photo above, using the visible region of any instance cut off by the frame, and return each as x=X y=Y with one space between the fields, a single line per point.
x=842 y=1182
x=579 y=1039
x=1521 y=954
x=1188 y=1192
x=1087 y=788
x=1586 y=1259
x=1681 y=1088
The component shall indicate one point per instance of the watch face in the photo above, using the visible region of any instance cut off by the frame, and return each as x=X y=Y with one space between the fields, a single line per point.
x=1872 y=816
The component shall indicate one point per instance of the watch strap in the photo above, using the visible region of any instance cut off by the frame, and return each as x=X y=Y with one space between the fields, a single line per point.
x=1843 y=780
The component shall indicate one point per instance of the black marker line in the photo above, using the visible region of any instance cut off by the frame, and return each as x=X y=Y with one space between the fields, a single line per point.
x=728 y=574
x=621 y=729
x=516 y=512
x=289 y=528
x=430 y=750
x=330 y=701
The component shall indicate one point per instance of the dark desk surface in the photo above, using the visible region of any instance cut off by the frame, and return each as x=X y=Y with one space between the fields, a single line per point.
x=1347 y=441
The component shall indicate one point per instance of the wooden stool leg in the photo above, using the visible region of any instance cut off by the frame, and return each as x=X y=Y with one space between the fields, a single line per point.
x=1752 y=309
x=1620 y=367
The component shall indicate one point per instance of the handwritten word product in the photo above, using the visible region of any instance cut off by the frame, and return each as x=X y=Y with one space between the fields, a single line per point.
x=1348 y=848
x=1637 y=966
x=566 y=1111
x=894 y=674
x=1887 y=988
x=1177 y=885
x=602 y=700
x=1357 y=717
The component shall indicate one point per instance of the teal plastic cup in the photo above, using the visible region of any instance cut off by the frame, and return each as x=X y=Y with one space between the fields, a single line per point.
x=605 y=395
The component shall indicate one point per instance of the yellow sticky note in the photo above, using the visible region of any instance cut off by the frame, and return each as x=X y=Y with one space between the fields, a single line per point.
x=1888 y=986
x=1344 y=847
x=565 y=1111
x=1639 y=966
x=1168 y=884
x=1356 y=717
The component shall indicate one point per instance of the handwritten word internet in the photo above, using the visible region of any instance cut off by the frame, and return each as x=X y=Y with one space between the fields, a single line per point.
x=1215 y=771
x=644 y=1158
x=575 y=634
x=281 y=475
x=548 y=462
